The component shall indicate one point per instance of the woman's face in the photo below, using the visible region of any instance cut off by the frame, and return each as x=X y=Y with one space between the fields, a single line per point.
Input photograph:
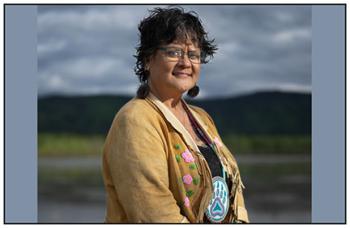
x=173 y=78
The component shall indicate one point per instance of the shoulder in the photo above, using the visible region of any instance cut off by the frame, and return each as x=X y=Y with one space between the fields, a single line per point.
x=137 y=112
x=202 y=113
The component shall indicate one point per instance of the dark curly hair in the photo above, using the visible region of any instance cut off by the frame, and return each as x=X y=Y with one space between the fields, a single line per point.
x=163 y=26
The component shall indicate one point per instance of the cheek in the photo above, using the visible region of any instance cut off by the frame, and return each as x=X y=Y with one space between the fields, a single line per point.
x=159 y=71
x=197 y=71
x=164 y=69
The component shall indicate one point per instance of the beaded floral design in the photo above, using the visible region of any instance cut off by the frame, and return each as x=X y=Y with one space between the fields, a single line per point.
x=177 y=158
x=187 y=179
x=187 y=156
x=196 y=181
x=189 y=193
x=192 y=166
x=187 y=202
x=177 y=146
x=218 y=142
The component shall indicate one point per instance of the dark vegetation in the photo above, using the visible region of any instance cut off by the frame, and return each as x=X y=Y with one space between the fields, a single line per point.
x=268 y=113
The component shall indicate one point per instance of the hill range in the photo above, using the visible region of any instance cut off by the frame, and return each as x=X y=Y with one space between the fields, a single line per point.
x=262 y=113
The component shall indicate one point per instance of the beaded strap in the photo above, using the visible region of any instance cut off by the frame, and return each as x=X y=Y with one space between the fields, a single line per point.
x=203 y=136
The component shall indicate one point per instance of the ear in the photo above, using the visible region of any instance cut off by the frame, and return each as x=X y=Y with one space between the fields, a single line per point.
x=146 y=62
x=147 y=66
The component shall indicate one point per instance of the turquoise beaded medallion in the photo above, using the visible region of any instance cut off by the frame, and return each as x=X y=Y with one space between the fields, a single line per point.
x=219 y=203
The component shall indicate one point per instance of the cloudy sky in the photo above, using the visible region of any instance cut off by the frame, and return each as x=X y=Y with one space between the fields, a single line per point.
x=89 y=49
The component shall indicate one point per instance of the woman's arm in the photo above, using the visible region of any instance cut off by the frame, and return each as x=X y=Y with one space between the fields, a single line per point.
x=138 y=164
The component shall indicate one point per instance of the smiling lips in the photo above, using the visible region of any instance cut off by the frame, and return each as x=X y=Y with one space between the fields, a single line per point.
x=182 y=74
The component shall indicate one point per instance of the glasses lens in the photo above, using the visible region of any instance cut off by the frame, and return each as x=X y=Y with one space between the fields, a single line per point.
x=194 y=56
x=175 y=54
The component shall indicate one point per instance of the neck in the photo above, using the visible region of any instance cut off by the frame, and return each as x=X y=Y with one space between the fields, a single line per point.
x=171 y=101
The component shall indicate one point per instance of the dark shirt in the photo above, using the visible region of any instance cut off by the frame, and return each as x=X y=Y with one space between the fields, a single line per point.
x=212 y=160
x=214 y=164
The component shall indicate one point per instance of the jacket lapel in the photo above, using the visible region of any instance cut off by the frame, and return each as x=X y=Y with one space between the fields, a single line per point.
x=175 y=123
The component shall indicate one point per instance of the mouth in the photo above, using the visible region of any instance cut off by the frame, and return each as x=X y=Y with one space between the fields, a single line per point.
x=182 y=74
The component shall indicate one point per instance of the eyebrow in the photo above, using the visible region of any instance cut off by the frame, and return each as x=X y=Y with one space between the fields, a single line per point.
x=179 y=47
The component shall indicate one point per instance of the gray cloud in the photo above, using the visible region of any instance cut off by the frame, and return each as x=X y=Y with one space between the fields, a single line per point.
x=89 y=49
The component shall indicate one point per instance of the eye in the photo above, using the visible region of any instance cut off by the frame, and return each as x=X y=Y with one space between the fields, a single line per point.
x=194 y=55
x=173 y=53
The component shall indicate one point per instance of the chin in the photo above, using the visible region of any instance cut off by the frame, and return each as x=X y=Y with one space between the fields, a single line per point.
x=185 y=89
x=186 y=86
x=183 y=86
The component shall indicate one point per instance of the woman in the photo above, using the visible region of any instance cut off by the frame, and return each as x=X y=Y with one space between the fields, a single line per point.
x=164 y=161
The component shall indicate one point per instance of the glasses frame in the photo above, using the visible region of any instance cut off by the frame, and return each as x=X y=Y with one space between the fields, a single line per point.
x=183 y=53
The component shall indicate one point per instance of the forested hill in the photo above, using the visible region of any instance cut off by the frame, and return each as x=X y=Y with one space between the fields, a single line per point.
x=259 y=113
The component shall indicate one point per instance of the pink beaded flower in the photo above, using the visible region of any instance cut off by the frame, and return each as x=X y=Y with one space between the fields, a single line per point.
x=187 y=156
x=187 y=202
x=187 y=179
x=218 y=142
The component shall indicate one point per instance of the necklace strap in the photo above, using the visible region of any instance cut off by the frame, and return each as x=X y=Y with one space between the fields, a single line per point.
x=197 y=127
x=204 y=136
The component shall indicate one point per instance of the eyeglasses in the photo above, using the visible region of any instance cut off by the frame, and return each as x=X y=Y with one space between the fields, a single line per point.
x=173 y=54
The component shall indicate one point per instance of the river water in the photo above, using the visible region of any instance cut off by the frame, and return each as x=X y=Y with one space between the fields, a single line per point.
x=288 y=201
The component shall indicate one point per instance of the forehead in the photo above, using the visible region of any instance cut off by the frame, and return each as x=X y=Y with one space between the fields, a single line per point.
x=186 y=43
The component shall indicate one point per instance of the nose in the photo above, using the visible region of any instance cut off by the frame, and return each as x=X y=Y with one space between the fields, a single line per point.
x=184 y=61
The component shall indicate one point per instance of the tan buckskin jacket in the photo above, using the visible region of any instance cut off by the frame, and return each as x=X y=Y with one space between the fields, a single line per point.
x=153 y=171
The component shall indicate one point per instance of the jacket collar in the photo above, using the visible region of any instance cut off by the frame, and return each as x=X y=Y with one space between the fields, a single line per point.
x=176 y=124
